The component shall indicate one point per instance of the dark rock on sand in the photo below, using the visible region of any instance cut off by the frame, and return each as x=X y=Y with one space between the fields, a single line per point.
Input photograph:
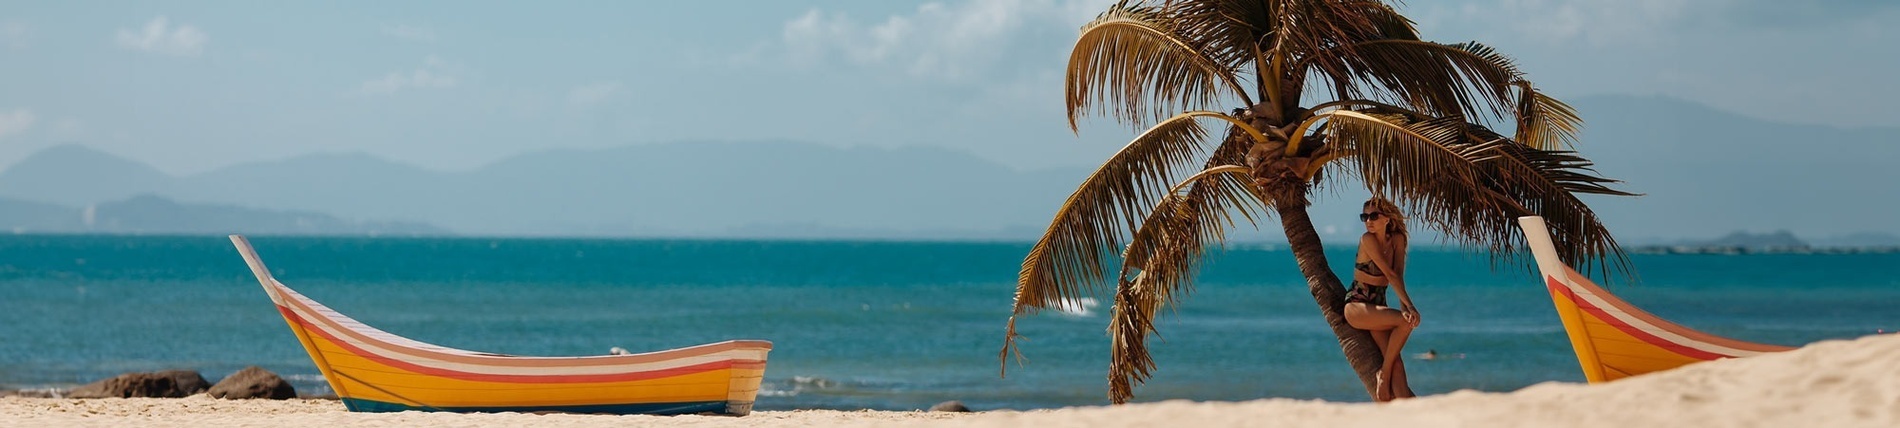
x=164 y=384
x=949 y=406
x=253 y=382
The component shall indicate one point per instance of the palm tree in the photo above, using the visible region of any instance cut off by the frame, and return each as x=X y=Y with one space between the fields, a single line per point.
x=1406 y=118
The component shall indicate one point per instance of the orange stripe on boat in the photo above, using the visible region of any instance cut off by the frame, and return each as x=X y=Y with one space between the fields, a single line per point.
x=484 y=377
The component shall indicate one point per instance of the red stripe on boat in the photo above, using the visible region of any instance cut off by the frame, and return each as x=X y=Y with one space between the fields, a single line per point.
x=1632 y=330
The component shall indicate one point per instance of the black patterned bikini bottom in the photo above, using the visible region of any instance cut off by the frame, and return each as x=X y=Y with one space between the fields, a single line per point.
x=1362 y=292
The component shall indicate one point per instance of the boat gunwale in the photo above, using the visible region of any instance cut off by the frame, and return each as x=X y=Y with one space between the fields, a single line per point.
x=307 y=305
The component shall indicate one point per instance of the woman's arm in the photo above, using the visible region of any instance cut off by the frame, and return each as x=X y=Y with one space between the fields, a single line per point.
x=1397 y=273
x=1378 y=256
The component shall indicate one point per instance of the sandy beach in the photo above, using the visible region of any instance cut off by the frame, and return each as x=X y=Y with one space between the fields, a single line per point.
x=1827 y=384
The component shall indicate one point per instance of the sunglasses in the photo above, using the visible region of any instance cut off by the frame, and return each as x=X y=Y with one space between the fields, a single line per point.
x=1371 y=215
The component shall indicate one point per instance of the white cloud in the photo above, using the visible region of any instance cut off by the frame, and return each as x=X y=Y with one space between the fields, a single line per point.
x=160 y=37
x=434 y=73
x=13 y=35
x=937 y=40
x=1632 y=22
x=1598 y=21
x=410 y=33
x=593 y=93
x=16 y=121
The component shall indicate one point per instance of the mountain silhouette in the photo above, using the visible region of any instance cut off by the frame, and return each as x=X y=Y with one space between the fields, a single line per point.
x=752 y=189
x=1704 y=173
x=74 y=175
x=149 y=214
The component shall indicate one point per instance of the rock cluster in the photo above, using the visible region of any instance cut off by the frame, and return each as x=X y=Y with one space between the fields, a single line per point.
x=950 y=406
x=164 y=384
x=252 y=382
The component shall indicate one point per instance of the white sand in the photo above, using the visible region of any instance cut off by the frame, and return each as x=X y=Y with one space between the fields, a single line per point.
x=1827 y=384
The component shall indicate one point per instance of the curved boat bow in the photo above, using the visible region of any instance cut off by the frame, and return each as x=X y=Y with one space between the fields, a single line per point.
x=1614 y=339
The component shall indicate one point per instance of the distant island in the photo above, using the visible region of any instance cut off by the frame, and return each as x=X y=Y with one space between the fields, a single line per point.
x=1777 y=242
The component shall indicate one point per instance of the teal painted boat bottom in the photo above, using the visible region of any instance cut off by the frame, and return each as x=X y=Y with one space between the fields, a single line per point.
x=685 y=408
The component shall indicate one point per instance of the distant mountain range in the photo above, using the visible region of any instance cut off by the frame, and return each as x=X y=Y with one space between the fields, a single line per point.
x=760 y=189
x=147 y=214
x=1705 y=173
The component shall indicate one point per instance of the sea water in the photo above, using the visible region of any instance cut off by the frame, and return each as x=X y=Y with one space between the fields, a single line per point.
x=878 y=325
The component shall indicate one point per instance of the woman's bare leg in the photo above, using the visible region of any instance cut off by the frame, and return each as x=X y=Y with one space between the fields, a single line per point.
x=1401 y=388
x=1383 y=323
x=1394 y=346
x=1382 y=391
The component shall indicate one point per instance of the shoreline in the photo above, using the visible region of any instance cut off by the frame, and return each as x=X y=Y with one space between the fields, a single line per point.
x=1838 y=383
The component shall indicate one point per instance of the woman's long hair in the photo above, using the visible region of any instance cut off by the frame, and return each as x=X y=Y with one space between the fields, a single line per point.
x=1395 y=223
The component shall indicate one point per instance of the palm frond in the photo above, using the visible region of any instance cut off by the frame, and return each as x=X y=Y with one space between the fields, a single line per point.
x=1068 y=261
x=1228 y=30
x=1130 y=323
x=1071 y=259
x=1544 y=122
x=1167 y=251
x=1546 y=183
x=1131 y=63
x=1470 y=183
x=1464 y=79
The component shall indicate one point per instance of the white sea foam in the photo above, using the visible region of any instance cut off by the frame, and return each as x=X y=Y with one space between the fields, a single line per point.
x=1083 y=307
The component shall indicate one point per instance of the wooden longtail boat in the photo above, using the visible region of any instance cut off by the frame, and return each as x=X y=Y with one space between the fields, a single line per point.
x=1613 y=338
x=375 y=371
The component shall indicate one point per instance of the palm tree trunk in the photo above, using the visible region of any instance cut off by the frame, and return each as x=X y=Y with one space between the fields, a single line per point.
x=1327 y=291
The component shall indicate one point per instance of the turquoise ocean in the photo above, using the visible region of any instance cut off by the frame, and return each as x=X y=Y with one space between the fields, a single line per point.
x=855 y=325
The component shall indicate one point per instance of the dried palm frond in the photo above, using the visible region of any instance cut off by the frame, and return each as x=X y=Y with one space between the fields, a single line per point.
x=1071 y=259
x=1469 y=182
x=1167 y=251
x=1133 y=64
x=1544 y=122
x=1440 y=80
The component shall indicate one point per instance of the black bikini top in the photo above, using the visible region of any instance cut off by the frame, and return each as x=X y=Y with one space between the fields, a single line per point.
x=1369 y=268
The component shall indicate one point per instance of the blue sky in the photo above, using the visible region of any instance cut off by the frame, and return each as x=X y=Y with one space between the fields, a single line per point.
x=192 y=86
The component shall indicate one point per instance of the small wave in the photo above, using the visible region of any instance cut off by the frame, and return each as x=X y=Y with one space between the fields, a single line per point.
x=796 y=385
x=1082 y=307
x=43 y=392
x=304 y=378
x=813 y=381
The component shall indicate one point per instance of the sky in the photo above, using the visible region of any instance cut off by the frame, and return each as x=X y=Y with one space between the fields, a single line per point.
x=191 y=86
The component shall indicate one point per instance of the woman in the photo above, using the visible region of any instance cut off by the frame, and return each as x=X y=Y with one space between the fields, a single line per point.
x=1381 y=264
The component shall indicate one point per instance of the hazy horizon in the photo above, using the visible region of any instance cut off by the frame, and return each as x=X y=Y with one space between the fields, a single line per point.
x=191 y=88
x=782 y=189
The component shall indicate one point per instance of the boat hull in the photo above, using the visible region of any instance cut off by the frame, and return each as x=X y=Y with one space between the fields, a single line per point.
x=375 y=371
x=1614 y=339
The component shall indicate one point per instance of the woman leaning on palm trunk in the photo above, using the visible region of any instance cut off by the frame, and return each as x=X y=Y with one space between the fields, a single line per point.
x=1381 y=264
